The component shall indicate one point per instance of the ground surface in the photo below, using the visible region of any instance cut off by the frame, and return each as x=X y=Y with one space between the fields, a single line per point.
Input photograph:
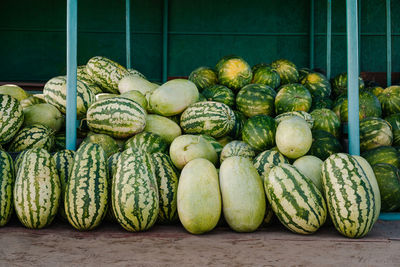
x=60 y=245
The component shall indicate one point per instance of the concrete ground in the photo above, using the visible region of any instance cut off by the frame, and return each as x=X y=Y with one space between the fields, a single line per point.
x=60 y=245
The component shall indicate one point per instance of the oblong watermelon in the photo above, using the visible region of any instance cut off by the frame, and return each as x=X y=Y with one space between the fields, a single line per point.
x=7 y=179
x=266 y=160
x=388 y=177
x=259 y=132
x=326 y=120
x=256 y=99
x=11 y=118
x=33 y=136
x=292 y=97
x=203 y=77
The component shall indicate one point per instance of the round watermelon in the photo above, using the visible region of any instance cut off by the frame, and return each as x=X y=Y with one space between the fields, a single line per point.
x=268 y=159
x=259 y=132
x=219 y=93
x=203 y=77
x=369 y=106
x=339 y=84
x=326 y=119
x=256 y=99
x=292 y=97
x=324 y=144
x=266 y=75
x=234 y=72
x=374 y=132
x=388 y=178
x=287 y=71
x=321 y=102
x=240 y=120
x=383 y=154
x=394 y=121
x=317 y=84
x=390 y=100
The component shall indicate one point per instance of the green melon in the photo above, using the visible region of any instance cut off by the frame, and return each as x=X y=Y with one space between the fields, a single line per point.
x=216 y=145
x=390 y=100
x=310 y=167
x=266 y=75
x=240 y=120
x=375 y=132
x=376 y=90
x=32 y=100
x=266 y=160
x=135 y=83
x=108 y=144
x=287 y=71
x=321 y=102
x=136 y=96
x=219 y=93
x=148 y=142
x=301 y=114
x=234 y=72
x=256 y=99
x=388 y=177
x=369 y=106
x=83 y=76
x=324 y=144
x=33 y=136
x=326 y=120
x=237 y=148
x=203 y=77
x=339 y=84
x=394 y=121
x=162 y=126
x=259 y=132
x=317 y=84
x=11 y=118
x=14 y=91
x=7 y=179
x=383 y=154
x=44 y=114
x=292 y=97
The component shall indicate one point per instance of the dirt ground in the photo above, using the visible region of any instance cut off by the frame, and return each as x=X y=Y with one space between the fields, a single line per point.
x=60 y=245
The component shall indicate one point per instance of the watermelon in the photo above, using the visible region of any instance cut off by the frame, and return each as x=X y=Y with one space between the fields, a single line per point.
x=310 y=167
x=106 y=73
x=63 y=161
x=266 y=75
x=337 y=104
x=240 y=120
x=375 y=90
x=103 y=96
x=383 y=154
x=37 y=189
x=216 y=145
x=148 y=142
x=7 y=179
x=234 y=72
x=326 y=120
x=237 y=148
x=55 y=93
x=257 y=66
x=134 y=83
x=349 y=195
x=266 y=160
x=301 y=114
x=201 y=98
x=112 y=169
x=317 y=84
x=203 y=77
x=14 y=91
x=321 y=102
x=339 y=84
x=375 y=132
x=44 y=114
x=59 y=142
x=108 y=144
x=243 y=197
x=11 y=118
x=219 y=93
x=162 y=126
x=295 y=200
x=188 y=147
x=33 y=136
x=394 y=121
x=293 y=137
x=303 y=72
x=82 y=75
x=256 y=99
x=18 y=160
x=324 y=144
x=86 y=193
x=199 y=197
x=390 y=100
x=292 y=97
x=259 y=132
x=136 y=73
x=287 y=71
x=369 y=106
x=167 y=182
x=388 y=177
x=32 y=100
x=211 y=118
x=134 y=197
x=118 y=117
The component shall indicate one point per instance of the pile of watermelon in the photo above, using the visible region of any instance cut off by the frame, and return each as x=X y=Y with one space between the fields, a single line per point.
x=234 y=144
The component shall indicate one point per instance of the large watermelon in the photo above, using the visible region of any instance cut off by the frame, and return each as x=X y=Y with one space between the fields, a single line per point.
x=147 y=142
x=324 y=144
x=390 y=100
x=32 y=136
x=237 y=148
x=394 y=121
x=234 y=72
x=266 y=75
x=266 y=160
x=339 y=84
x=369 y=106
x=82 y=75
x=388 y=177
x=383 y=154
x=375 y=132
x=259 y=132
x=11 y=118
x=203 y=77
x=326 y=120
x=14 y=91
x=317 y=84
x=112 y=169
x=219 y=93
x=240 y=120
x=287 y=71
x=292 y=97
x=7 y=177
x=256 y=99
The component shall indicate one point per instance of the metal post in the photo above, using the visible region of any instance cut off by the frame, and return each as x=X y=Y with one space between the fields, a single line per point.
x=72 y=18
x=352 y=77
x=311 y=34
x=359 y=36
x=388 y=45
x=128 y=33
x=165 y=42
x=328 y=38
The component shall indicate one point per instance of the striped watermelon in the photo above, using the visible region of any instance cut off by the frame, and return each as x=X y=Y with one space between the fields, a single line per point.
x=59 y=142
x=324 y=144
x=376 y=90
x=337 y=104
x=240 y=120
x=7 y=177
x=11 y=118
x=237 y=148
x=112 y=169
x=83 y=76
x=211 y=118
x=326 y=120
x=302 y=114
x=216 y=145
x=233 y=72
x=136 y=96
x=148 y=142
x=108 y=144
x=203 y=77
x=375 y=132
x=303 y=72
x=167 y=180
x=33 y=136
x=106 y=73
x=133 y=72
x=321 y=102
x=266 y=160
x=18 y=161
x=118 y=117
x=390 y=100
x=259 y=132
x=287 y=71
x=86 y=194
x=317 y=84
x=14 y=91
x=388 y=177
x=256 y=99
x=292 y=97
x=55 y=93
x=164 y=127
x=349 y=194
x=63 y=161
x=383 y=154
x=134 y=193
x=266 y=75
x=394 y=121
x=295 y=200
x=37 y=189
x=30 y=101
x=219 y=93
x=369 y=106
x=339 y=84
x=255 y=67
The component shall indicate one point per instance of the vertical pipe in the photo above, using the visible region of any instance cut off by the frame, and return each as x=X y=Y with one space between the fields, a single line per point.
x=128 y=33
x=72 y=18
x=311 y=34
x=352 y=77
x=388 y=45
x=359 y=36
x=165 y=42
x=328 y=38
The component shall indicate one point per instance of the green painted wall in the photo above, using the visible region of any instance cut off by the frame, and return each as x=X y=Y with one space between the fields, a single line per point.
x=32 y=38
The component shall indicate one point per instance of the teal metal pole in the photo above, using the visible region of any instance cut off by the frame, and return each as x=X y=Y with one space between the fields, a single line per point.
x=165 y=43
x=352 y=77
x=128 y=33
x=359 y=36
x=388 y=45
x=328 y=38
x=72 y=20
x=311 y=34
x=389 y=216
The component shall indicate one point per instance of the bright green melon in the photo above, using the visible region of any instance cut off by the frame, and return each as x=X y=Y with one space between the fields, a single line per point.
x=44 y=114
x=337 y=104
x=33 y=136
x=287 y=71
x=256 y=99
x=310 y=167
x=148 y=142
x=369 y=106
x=259 y=132
x=162 y=126
x=375 y=132
x=292 y=97
x=266 y=160
x=388 y=177
x=7 y=179
x=390 y=100
x=199 y=197
x=234 y=72
x=14 y=91
x=219 y=93
x=257 y=66
x=203 y=77
x=324 y=144
x=394 y=121
x=11 y=118
x=317 y=84
x=237 y=148
x=326 y=120
x=383 y=154
x=266 y=75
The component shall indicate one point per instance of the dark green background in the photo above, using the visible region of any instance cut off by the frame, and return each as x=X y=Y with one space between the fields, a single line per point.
x=33 y=37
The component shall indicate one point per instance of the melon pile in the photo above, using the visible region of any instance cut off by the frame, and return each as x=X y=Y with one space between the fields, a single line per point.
x=233 y=144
